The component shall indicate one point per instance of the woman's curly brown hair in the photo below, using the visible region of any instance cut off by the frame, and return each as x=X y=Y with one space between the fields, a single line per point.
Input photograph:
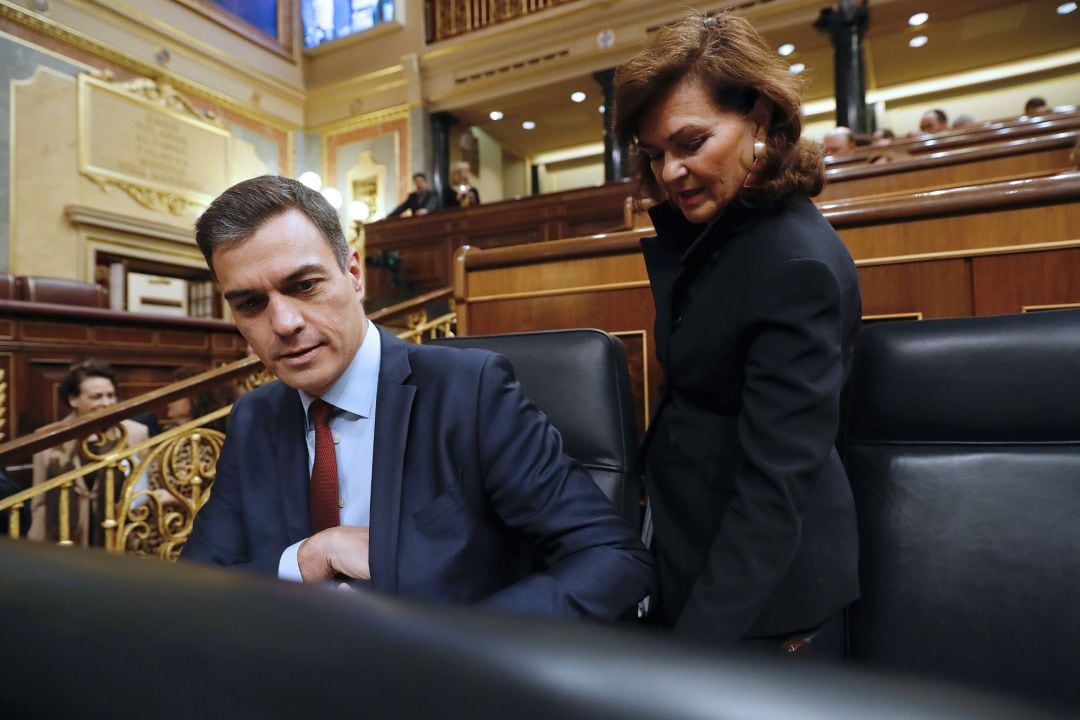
x=728 y=56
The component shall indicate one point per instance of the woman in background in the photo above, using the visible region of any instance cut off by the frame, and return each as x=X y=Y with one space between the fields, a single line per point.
x=757 y=305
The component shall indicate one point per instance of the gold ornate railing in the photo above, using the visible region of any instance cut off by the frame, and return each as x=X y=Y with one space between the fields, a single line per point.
x=151 y=491
x=450 y=18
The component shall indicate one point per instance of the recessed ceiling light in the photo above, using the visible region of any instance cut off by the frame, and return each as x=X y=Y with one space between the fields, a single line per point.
x=495 y=115
x=785 y=49
x=797 y=68
x=528 y=125
x=917 y=41
x=577 y=96
x=918 y=19
x=1066 y=8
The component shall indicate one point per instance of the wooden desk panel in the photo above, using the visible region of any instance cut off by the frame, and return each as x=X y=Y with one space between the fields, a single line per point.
x=1026 y=281
x=917 y=290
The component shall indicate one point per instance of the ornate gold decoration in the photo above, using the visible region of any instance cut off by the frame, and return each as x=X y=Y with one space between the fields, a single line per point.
x=147 y=197
x=256 y=379
x=163 y=94
x=3 y=403
x=420 y=328
x=175 y=154
x=156 y=522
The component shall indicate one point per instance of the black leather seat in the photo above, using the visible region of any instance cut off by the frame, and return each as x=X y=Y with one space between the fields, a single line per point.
x=84 y=634
x=963 y=448
x=579 y=379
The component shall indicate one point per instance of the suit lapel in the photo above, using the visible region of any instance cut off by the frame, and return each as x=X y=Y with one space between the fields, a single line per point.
x=393 y=407
x=291 y=466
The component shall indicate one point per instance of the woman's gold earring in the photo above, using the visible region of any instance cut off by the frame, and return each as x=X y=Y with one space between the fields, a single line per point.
x=759 y=148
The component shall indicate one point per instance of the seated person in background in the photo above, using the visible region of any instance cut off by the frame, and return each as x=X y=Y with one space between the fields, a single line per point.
x=964 y=121
x=424 y=470
x=203 y=402
x=7 y=487
x=88 y=386
x=880 y=140
x=420 y=202
x=882 y=137
x=839 y=142
x=1036 y=106
x=933 y=121
x=460 y=192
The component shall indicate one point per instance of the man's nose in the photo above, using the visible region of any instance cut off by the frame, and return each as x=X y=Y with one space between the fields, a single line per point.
x=285 y=318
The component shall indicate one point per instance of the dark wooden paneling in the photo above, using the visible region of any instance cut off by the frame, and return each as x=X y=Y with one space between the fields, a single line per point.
x=144 y=349
x=1013 y=283
x=426 y=243
x=934 y=288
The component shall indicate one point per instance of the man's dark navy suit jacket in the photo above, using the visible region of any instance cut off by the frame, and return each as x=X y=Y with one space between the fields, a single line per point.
x=465 y=468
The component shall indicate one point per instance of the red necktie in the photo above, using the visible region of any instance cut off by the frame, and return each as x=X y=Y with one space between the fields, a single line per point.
x=324 y=477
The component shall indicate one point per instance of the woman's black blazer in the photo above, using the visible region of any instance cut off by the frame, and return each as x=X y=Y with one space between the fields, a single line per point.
x=754 y=521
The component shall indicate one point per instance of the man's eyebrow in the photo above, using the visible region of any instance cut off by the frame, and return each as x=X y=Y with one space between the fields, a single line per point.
x=295 y=275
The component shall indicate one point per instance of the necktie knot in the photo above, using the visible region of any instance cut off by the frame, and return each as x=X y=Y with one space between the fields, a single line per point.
x=320 y=412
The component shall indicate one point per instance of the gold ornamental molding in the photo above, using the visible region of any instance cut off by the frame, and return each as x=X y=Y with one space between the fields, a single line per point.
x=174 y=157
x=398 y=112
x=79 y=41
x=3 y=403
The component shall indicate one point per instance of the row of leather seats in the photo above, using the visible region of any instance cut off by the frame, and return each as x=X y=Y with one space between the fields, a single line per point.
x=962 y=442
x=61 y=291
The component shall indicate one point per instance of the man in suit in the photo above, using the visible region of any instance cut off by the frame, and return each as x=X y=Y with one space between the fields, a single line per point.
x=445 y=471
x=420 y=202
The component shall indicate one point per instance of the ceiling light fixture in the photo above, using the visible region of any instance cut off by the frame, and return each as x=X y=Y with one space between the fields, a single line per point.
x=577 y=96
x=797 y=68
x=311 y=180
x=495 y=115
x=603 y=109
x=785 y=49
x=918 y=19
x=1066 y=8
x=528 y=125
x=918 y=41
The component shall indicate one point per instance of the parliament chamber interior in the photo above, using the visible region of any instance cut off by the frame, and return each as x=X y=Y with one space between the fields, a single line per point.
x=470 y=152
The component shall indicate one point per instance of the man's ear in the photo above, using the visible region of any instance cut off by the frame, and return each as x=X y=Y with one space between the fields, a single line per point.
x=354 y=266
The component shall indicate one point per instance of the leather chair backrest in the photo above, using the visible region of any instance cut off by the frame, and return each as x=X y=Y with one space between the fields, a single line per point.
x=962 y=444
x=579 y=379
x=82 y=630
x=61 y=291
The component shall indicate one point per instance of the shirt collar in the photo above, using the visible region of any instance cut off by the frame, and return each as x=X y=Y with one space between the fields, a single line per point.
x=354 y=392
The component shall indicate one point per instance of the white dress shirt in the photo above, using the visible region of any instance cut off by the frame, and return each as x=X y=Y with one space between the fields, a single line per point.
x=352 y=423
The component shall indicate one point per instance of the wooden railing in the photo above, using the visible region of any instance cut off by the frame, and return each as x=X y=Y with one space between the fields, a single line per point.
x=1000 y=247
x=450 y=18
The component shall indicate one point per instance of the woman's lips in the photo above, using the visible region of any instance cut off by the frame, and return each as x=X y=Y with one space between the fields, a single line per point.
x=691 y=197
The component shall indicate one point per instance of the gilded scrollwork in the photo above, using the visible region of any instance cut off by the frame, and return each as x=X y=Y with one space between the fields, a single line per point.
x=149 y=198
x=156 y=521
x=3 y=403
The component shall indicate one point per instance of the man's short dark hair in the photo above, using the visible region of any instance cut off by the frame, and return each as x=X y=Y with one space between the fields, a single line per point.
x=1035 y=103
x=941 y=115
x=419 y=175
x=71 y=385
x=242 y=209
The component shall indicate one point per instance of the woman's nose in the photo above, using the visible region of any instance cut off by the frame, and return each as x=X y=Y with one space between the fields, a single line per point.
x=672 y=170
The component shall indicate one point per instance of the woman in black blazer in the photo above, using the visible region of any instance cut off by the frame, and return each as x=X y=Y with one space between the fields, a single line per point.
x=757 y=305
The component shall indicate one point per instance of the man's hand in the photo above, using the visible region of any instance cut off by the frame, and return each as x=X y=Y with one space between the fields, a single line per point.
x=341 y=550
